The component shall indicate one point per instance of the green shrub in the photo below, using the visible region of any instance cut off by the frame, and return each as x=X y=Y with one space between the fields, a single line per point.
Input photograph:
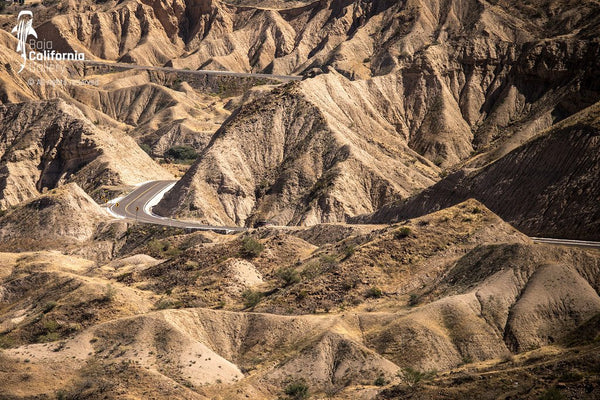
x=349 y=251
x=413 y=300
x=6 y=341
x=251 y=247
x=162 y=248
x=181 y=153
x=413 y=377
x=288 y=276
x=109 y=293
x=380 y=381
x=163 y=304
x=374 y=292
x=297 y=390
x=251 y=298
x=402 y=233
x=476 y=210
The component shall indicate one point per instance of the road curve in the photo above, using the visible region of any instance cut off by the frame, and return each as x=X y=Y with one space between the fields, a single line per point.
x=137 y=206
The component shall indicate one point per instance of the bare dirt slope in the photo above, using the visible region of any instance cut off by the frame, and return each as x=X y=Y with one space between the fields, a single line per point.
x=49 y=143
x=546 y=187
x=298 y=157
x=458 y=291
x=62 y=215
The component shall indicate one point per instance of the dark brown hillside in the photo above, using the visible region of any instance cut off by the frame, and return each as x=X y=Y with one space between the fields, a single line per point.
x=548 y=187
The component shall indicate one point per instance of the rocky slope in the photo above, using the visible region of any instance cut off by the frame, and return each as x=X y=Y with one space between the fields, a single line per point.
x=299 y=157
x=546 y=187
x=47 y=144
x=61 y=215
x=448 y=80
x=458 y=291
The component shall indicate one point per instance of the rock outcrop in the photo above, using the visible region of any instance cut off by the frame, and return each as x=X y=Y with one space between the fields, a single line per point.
x=47 y=144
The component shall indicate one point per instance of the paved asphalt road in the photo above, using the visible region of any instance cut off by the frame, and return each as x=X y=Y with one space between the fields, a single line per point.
x=567 y=242
x=137 y=206
x=284 y=78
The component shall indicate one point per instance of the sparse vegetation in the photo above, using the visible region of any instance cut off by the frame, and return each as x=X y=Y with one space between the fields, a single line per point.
x=181 y=154
x=413 y=300
x=49 y=306
x=163 y=249
x=251 y=247
x=146 y=148
x=109 y=293
x=297 y=390
x=380 y=381
x=403 y=232
x=413 y=377
x=552 y=394
x=251 y=298
x=288 y=275
x=374 y=292
x=164 y=304
x=348 y=251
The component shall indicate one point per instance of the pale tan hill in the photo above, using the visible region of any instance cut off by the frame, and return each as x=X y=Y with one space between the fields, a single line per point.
x=157 y=115
x=299 y=156
x=513 y=73
x=47 y=296
x=57 y=218
x=547 y=187
x=455 y=287
x=48 y=144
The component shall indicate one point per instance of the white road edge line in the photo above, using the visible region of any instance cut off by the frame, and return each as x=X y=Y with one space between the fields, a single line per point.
x=155 y=200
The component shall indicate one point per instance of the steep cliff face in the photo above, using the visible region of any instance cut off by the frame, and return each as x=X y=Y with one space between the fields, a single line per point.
x=47 y=144
x=547 y=187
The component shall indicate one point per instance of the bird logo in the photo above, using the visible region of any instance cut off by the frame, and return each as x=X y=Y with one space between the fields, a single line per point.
x=23 y=29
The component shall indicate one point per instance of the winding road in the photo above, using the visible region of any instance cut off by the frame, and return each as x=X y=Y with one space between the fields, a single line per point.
x=138 y=204
x=283 y=78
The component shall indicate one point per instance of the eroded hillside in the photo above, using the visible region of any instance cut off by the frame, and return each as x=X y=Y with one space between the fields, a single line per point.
x=339 y=309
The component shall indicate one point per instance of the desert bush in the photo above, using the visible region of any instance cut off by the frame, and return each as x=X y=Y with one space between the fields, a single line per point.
x=380 y=381
x=251 y=247
x=348 y=251
x=402 y=233
x=297 y=390
x=288 y=276
x=251 y=298
x=6 y=341
x=374 y=292
x=162 y=248
x=146 y=148
x=413 y=300
x=164 y=304
x=413 y=377
x=109 y=293
x=181 y=153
